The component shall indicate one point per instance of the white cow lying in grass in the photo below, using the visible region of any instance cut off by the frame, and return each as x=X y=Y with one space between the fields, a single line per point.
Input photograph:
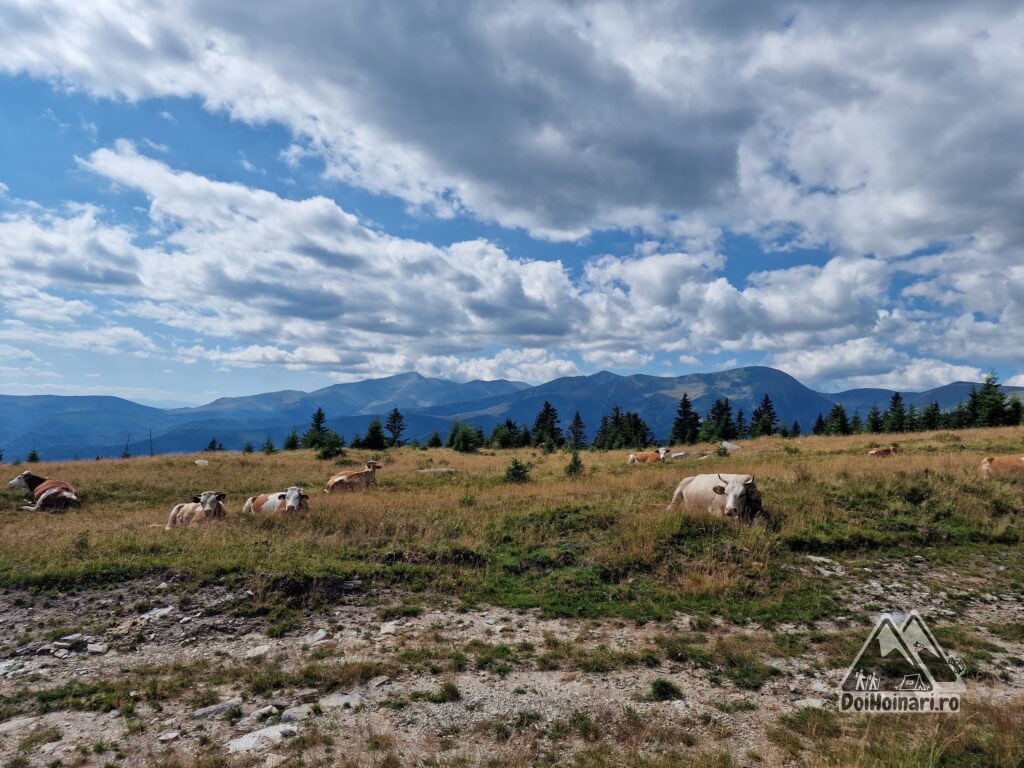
x=289 y=500
x=209 y=505
x=729 y=495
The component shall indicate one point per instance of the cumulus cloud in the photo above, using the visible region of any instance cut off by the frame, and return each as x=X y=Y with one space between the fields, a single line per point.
x=867 y=362
x=871 y=127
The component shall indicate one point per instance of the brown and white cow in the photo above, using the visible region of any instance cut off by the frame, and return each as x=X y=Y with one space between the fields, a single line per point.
x=729 y=495
x=289 y=500
x=45 y=492
x=207 y=506
x=888 y=451
x=646 y=457
x=995 y=466
x=351 y=480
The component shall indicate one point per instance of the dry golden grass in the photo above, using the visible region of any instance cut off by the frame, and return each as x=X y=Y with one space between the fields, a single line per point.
x=471 y=533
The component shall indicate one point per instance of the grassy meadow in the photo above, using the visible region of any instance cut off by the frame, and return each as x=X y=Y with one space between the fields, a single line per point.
x=599 y=545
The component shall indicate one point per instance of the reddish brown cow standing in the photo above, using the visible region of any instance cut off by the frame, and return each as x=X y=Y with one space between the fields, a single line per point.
x=45 y=492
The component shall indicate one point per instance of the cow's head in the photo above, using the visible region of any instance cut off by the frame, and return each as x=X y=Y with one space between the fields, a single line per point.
x=210 y=501
x=661 y=453
x=20 y=481
x=374 y=465
x=293 y=499
x=742 y=499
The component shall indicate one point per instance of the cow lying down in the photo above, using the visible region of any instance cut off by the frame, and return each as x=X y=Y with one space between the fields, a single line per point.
x=289 y=500
x=45 y=492
x=729 y=495
x=209 y=505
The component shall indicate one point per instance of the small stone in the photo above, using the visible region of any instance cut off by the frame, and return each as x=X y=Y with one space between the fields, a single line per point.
x=97 y=648
x=273 y=760
x=792 y=687
x=378 y=681
x=810 y=703
x=318 y=636
x=820 y=687
x=306 y=695
x=261 y=739
x=74 y=638
x=185 y=620
x=61 y=645
x=389 y=628
x=166 y=738
x=259 y=650
x=216 y=709
x=297 y=714
x=264 y=712
x=341 y=701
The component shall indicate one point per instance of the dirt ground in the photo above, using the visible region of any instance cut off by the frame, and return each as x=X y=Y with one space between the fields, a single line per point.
x=166 y=673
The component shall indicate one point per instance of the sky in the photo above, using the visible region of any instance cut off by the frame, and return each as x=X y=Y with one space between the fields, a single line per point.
x=216 y=198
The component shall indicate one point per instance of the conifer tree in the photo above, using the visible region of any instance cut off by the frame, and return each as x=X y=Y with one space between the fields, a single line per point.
x=577 y=433
x=875 y=422
x=763 y=419
x=895 y=419
x=291 y=443
x=395 y=427
x=686 y=427
x=546 y=426
x=819 y=425
x=837 y=423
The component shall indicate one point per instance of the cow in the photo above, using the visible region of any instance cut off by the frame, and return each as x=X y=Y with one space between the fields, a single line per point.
x=352 y=479
x=889 y=451
x=209 y=505
x=290 y=500
x=45 y=492
x=729 y=495
x=645 y=457
x=993 y=466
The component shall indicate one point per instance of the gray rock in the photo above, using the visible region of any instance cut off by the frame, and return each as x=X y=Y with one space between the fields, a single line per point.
x=215 y=709
x=97 y=648
x=297 y=714
x=259 y=650
x=341 y=700
x=812 y=703
x=264 y=712
x=318 y=636
x=378 y=681
x=306 y=695
x=166 y=738
x=261 y=739
x=820 y=687
x=389 y=628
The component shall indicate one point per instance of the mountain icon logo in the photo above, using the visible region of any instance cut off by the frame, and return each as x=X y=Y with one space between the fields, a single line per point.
x=902 y=667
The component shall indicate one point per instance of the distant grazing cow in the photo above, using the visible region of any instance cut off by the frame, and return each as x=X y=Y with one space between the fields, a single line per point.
x=289 y=500
x=730 y=495
x=994 y=466
x=209 y=505
x=45 y=492
x=889 y=451
x=645 y=457
x=355 y=479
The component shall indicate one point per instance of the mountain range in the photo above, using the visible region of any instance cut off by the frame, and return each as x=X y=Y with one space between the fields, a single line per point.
x=59 y=427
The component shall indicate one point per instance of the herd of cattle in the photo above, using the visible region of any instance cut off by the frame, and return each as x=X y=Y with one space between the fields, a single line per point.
x=732 y=495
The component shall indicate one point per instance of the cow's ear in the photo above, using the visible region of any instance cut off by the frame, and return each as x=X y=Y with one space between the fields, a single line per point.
x=196 y=499
x=719 y=489
x=303 y=495
x=280 y=496
x=221 y=495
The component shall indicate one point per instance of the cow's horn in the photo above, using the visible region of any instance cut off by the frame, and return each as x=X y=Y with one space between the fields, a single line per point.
x=722 y=478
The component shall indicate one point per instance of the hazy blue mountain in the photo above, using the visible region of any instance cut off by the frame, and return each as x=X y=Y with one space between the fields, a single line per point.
x=84 y=427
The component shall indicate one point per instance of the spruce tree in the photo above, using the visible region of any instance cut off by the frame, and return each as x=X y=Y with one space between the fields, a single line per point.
x=546 y=426
x=686 y=427
x=375 y=440
x=856 y=424
x=268 y=446
x=317 y=430
x=434 y=441
x=895 y=419
x=931 y=416
x=991 y=404
x=33 y=457
x=794 y=431
x=291 y=443
x=741 y=424
x=837 y=423
x=719 y=424
x=395 y=427
x=875 y=422
x=763 y=419
x=577 y=433
x=819 y=425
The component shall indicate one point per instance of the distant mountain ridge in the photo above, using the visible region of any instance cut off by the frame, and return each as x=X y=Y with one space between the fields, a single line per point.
x=61 y=427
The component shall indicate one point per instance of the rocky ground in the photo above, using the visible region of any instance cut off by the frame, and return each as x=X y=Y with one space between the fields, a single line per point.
x=169 y=673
